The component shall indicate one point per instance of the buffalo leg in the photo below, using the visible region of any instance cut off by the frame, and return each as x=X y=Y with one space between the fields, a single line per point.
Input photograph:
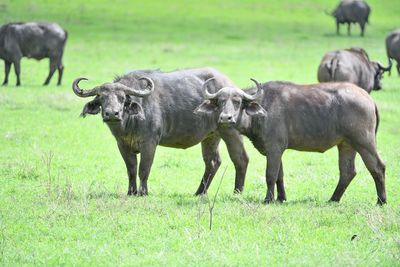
x=130 y=159
x=348 y=28
x=17 y=69
x=146 y=160
x=337 y=28
x=7 y=67
x=362 y=26
x=376 y=167
x=53 y=67
x=60 y=73
x=273 y=167
x=347 y=170
x=212 y=161
x=280 y=185
x=238 y=155
x=398 y=68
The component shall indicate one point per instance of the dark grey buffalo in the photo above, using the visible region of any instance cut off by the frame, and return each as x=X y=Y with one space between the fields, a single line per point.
x=393 y=48
x=277 y=116
x=144 y=109
x=351 y=11
x=352 y=65
x=32 y=40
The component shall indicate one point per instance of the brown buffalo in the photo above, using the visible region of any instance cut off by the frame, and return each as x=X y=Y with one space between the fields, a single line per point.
x=277 y=116
x=352 y=65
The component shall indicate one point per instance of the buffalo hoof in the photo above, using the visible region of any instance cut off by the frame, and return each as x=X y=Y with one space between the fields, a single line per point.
x=268 y=201
x=199 y=194
x=281 y=199
x=381 y=202
x=142 y=192
x=238 y=190
x=4 y=84
x=132 y=192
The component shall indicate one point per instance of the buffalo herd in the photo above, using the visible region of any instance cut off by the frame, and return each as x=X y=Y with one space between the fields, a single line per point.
x=180 y=109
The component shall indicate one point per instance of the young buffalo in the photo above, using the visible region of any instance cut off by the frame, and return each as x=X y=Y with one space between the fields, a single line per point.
x=277 y=116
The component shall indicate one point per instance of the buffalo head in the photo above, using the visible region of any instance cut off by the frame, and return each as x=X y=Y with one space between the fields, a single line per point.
x=114 y=99
x=228 y=103
x=379 y=71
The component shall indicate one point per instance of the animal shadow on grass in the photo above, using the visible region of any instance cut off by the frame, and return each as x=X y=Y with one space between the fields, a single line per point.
x=342 y=35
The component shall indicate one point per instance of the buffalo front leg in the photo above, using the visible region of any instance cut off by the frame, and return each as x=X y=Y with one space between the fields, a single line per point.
x=130 y=159
x=238 y=155
x=347 y=170
x=7 y=67
x=280 y=185
x=212 y=161
x=273 y=167
x=146 y=160
x=348 y=28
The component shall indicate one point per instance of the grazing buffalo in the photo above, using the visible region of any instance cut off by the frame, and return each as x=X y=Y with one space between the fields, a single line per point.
x=144 y=109
x=277 y=116
x=352 y=65
x=32 y=40
x=393 y=48
x=351 y=11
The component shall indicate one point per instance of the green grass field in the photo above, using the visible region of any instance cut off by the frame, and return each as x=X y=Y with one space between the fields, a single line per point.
x=63 y=182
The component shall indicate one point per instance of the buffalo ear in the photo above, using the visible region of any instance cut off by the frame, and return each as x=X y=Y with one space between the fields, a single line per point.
x=93 y=107
x=136 y=109
x=206 y=107
x=254 y=109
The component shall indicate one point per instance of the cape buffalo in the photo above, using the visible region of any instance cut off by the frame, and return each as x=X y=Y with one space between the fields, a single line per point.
x=351 y=11
x=32 y=40
x=277 y=116
x=393 y=48
x=352 y=65
x=144 y=109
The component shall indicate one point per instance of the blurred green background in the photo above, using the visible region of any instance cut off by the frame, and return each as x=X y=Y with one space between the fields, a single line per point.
x=63 y=182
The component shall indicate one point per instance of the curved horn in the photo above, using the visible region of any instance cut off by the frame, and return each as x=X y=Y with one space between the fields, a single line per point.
x=207 y=94
x=83 y=93
x=135 y=92
x=388 y=68
x=256 y=95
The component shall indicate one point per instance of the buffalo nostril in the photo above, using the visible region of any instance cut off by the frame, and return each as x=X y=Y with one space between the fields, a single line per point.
x=229 y=118
x=116 y=113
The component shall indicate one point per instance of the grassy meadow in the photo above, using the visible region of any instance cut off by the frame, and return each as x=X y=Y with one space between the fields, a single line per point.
x=63 y=182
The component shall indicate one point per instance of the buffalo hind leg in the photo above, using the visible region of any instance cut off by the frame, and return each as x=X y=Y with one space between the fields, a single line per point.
x=376 y=167
x=53 y=66
x=273 y=167
x=212 y=161
x=238 y=155
x=17 y=69
x=348 y=28
x=7 y=67
x=347 y=170
x=146 y=160
x=337 y=28
x=60 y=73
x=130 y=159
x=398 y=68
x=362 y=26
x=280 y=186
